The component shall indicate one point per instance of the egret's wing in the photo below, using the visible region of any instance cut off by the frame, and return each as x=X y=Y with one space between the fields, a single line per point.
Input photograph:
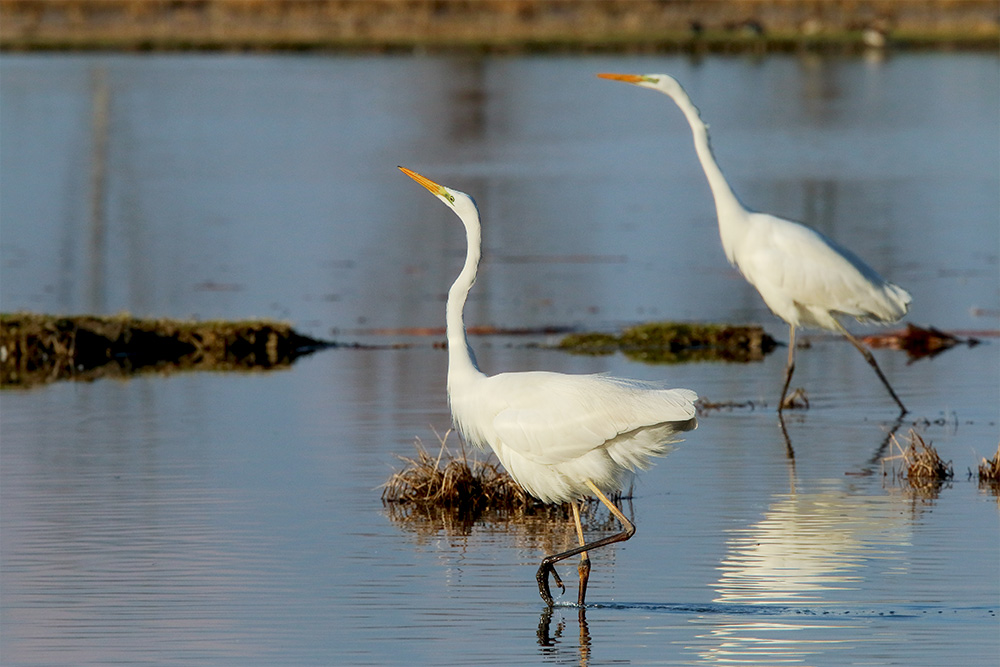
x=789 y=261
x=562 y=417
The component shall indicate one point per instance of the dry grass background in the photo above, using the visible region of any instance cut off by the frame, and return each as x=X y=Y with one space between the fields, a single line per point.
x=489 y=24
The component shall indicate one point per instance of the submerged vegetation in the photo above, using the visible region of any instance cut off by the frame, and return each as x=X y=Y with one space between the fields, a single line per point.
x=674 y=342
x=36 y=349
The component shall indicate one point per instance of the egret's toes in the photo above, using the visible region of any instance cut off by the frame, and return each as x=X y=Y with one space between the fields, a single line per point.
x=542 y=577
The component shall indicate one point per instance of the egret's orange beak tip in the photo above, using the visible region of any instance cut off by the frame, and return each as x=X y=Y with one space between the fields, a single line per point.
x=627 y=78
x=423 y=180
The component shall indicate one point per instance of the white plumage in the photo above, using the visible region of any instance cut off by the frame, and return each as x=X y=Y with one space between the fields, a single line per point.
x=552 y=431
x=804 y=277
x=561 y=437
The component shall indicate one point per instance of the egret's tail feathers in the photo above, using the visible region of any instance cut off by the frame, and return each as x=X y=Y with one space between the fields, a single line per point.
x=635 y=450
x=893 y=303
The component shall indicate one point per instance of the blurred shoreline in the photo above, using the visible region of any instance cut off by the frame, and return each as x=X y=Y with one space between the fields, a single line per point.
x=497 y=25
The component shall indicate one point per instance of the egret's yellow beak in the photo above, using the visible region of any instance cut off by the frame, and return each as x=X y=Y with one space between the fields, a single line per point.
x=627 y=78
x=424 y=181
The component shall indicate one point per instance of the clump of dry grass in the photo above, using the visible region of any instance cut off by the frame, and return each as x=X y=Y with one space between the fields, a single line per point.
x=989 y=471
x=453 y=482
x=453 y=492
x=923 y=468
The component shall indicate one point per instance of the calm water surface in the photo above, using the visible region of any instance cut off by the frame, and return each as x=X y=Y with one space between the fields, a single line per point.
x=236 y=518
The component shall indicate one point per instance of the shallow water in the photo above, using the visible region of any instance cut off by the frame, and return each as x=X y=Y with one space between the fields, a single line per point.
x=236 y=518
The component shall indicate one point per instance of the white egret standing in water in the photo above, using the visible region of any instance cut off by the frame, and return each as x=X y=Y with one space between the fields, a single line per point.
x=805 y=278
x=561 y=437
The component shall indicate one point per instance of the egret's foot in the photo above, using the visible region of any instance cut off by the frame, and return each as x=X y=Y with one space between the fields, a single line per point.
x=542 y=576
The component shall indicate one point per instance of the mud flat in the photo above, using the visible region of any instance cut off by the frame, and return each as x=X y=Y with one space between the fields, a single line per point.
x=496 y=25
x=676 y=342
x=36 y=349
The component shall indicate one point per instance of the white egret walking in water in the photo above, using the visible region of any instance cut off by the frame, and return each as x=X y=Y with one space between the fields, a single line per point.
x=561 y=437
x=805 y=278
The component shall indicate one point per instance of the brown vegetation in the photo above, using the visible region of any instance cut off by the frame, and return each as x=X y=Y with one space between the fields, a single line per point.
x=918 y=342
x=922 y=468
x=493 y=24
x=455 y=483
x=444 y=491
x=989 y=472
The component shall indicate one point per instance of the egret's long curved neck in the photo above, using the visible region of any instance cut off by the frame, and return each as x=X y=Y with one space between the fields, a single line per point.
x=727 y=205
x=461 y=359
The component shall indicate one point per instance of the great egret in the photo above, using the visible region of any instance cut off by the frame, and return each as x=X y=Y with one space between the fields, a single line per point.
x=561 y=437
x=805 y=278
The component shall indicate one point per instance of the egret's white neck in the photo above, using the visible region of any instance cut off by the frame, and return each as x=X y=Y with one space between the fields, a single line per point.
x=727 y=206
x=461 y=359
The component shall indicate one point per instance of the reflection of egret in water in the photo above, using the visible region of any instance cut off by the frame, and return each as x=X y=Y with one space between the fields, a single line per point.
x=809 y=552
x=809 y=545
x=550 y=641
x=761 y=643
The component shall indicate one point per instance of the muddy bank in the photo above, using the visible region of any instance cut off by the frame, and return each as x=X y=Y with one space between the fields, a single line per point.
x=672 y=342
x=495 y=25
x=36 y=349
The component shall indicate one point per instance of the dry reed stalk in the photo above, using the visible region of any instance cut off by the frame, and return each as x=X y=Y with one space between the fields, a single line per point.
x=923 y=469
x=989 y=471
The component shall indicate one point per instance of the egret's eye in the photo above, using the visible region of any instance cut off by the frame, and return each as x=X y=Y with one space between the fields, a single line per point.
x=450 y=197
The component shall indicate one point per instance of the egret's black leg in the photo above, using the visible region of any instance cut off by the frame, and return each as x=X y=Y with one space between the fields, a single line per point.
x=866 y=353
x=790 y=368
x=548 y=562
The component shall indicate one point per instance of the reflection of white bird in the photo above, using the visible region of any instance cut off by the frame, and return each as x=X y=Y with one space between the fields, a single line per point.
x=805 y=278
x=811 y=550
x=561 y=437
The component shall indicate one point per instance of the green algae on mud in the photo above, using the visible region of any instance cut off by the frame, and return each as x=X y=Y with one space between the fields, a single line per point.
x=676 y=342
x=36 y=348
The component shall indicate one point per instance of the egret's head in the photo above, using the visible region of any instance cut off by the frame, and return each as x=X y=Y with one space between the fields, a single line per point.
x=459 y=202
x=661 y=82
